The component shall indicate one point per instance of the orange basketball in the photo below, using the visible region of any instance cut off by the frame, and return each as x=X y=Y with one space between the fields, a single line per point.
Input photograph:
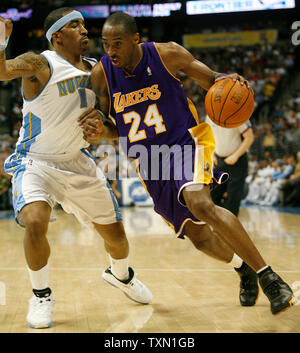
x=228 y=103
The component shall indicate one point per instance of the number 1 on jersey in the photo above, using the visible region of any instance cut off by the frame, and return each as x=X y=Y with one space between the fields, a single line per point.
x=152 y=118
x=82 y=95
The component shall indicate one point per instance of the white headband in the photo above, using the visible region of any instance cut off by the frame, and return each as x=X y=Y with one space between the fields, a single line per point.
x=74 y=15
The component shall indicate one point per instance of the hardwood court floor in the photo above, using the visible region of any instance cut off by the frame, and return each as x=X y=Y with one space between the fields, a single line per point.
x=192 y=292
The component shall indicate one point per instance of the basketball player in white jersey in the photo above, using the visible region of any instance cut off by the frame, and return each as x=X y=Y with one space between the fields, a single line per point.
x=50 y=163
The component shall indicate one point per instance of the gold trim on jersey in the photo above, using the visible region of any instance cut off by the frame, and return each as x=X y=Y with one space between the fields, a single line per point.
x=193 y=110
x=30 y=130
x=109 y=109
x=165 y=64
x=11 y=162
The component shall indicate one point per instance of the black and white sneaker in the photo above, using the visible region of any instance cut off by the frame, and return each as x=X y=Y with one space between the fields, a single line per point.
x=132 y=287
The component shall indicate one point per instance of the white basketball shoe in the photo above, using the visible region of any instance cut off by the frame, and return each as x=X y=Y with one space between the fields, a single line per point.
x=132 y=287
x=40 y=312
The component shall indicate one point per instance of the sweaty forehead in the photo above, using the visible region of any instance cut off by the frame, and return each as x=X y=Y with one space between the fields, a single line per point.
x=114 y=31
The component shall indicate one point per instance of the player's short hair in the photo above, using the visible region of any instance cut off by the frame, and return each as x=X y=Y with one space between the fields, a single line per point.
x=54 y=16
x=122 y=18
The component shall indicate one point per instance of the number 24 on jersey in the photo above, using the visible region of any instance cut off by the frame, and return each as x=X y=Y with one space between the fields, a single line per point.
x=152 y=118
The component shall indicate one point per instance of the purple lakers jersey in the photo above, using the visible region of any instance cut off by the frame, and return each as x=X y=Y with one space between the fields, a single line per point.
x=151 y=109
x=150 y=106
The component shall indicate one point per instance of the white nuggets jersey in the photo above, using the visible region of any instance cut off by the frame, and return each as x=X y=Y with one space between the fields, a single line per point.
x=50 y=129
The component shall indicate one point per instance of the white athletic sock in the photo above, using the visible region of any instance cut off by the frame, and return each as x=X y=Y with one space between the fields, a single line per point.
x=39 y=279
x=236 y=261
x=263 y=268
x=119 y=268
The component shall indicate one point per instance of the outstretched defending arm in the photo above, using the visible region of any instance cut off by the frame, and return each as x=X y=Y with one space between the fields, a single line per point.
x=25 y=65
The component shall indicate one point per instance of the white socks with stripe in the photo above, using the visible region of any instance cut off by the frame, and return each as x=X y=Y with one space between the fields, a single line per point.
x=119 y=268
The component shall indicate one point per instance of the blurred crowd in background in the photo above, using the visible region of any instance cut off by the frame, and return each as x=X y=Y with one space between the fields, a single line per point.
x=274 y=163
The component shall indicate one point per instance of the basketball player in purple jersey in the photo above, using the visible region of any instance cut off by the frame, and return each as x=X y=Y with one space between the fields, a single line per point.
x=136 y=84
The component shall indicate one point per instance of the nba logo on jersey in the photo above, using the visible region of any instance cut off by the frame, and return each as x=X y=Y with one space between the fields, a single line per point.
x=149 y=71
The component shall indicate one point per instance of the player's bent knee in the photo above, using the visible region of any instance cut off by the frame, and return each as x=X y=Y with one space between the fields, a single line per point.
x=118 y=239
x=202 y=209
x=115 y=239
x=36 y=228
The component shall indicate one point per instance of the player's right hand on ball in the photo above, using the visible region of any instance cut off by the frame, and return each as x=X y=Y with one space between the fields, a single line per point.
x=91 y=123
x=7 y=25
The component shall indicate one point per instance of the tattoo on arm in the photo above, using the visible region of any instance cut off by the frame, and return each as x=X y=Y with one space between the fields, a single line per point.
x=28 y=64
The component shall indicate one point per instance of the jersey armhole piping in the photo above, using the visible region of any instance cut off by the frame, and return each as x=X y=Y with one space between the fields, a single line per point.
x=51 y=73
x=165 y=66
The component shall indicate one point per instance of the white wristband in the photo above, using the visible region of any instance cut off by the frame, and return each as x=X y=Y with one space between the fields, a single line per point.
x=3 y=45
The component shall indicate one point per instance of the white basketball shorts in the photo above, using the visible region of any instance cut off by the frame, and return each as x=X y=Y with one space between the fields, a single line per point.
x=76 y=184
